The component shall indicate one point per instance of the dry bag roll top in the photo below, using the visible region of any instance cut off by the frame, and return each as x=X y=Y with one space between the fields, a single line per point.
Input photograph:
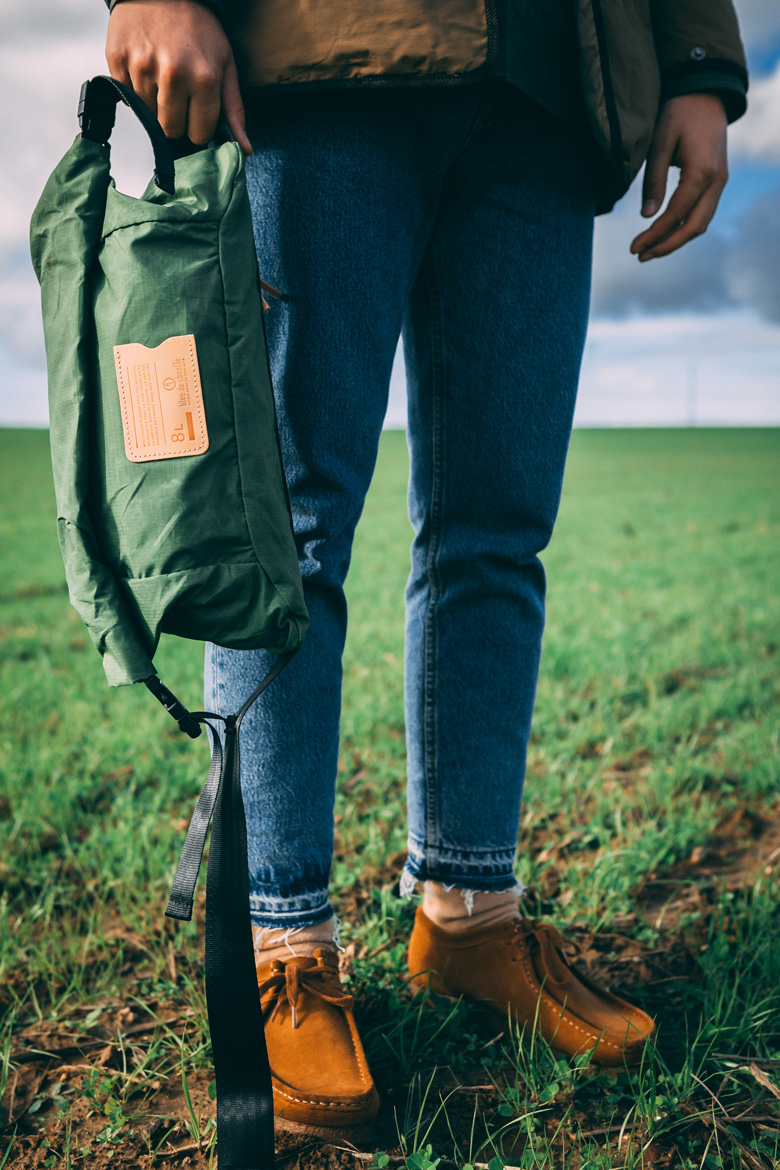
x=172 y=508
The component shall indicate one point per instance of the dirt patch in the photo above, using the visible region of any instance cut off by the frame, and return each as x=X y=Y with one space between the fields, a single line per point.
x=80 y=1084
x=744 y=847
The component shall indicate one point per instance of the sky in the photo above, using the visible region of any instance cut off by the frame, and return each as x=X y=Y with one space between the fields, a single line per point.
x=691 y=339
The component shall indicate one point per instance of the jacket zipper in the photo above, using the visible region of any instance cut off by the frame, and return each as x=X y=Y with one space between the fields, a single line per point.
x=615 y=136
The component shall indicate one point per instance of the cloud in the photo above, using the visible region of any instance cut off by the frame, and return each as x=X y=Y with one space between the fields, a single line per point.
x=757 y=135
x=693 y=278
x=46 y=51
x=709 y=274
x=651 y=371
x=40 y=80
x=715 y=369
x=20 y=312
x=759 y=22
x=52 y=19
x=754 y=265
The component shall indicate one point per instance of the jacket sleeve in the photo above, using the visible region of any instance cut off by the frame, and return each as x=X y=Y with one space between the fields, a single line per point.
x=215 y=6
x=700 y=50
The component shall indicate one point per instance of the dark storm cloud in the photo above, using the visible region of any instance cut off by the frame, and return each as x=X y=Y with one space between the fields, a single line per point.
x=753 y=270
x=691 y=279
x=707 y=275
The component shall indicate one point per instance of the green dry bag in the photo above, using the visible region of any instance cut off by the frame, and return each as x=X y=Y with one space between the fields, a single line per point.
x=172 y=509
x=172 y=512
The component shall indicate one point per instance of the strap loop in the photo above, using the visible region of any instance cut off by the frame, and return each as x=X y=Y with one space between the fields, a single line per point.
x=182 y=895
x=97 y=114
x=183 y=889
x=245 y=1115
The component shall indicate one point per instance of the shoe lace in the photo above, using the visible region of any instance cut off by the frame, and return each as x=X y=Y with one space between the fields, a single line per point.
x=290 y=980
x=549 y=940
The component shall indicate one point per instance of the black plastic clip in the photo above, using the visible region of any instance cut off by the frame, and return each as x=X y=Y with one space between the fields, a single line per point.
x=96 y=114
x=186 y=722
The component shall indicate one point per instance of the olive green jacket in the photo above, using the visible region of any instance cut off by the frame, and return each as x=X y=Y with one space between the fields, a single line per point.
x=633 y=54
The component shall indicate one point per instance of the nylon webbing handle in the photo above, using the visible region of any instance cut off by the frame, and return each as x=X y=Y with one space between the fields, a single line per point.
x=97 y=114
x=245 y=1114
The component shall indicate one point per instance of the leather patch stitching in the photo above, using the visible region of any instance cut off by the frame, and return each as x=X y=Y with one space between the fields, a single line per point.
x=161 y=399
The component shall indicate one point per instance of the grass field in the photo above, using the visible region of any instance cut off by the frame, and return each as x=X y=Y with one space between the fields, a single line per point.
x=650 y=835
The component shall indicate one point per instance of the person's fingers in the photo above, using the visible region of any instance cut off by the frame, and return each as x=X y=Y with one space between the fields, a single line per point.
x=130 y=72
x=172 y=100
x=234 y=107
x=695 y=225
x=120 y=72
x=116 y=55
x=117 y=63
x=656 y=171
x=185 y=83
x=692 y=185
x=134 y=66
x=204 y=107
x=145 y=86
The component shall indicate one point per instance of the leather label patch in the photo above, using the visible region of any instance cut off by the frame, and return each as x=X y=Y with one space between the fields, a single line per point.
x=161 y=399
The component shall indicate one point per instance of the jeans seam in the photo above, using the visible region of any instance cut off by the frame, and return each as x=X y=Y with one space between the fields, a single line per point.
x=430 y=722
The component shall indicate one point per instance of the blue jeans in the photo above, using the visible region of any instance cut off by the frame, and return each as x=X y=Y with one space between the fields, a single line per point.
x=461 y=218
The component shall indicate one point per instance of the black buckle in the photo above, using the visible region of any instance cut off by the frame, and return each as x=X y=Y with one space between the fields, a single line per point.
x=96 y=114
x=186 y=722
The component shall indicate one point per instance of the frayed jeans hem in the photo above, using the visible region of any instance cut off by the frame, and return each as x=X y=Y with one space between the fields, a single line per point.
x=476 y=876
x=283 y=914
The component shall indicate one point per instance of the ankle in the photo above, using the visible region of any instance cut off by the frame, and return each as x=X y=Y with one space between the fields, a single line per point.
x=457 y=909
x=285 y=942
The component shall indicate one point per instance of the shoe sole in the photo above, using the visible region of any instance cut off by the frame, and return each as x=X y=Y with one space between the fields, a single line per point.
x=355 y=1134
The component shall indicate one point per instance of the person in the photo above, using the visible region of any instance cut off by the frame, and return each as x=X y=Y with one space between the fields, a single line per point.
x=430 y=169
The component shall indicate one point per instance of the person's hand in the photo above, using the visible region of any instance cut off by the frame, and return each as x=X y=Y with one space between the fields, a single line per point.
x=175 y=55
x=690 y=134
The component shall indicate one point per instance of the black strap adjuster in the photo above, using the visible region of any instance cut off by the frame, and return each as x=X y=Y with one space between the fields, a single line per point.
x=186 y=723
x=96 y=114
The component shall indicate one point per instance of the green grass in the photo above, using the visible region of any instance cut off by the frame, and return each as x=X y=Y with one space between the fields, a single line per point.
x=650 y=833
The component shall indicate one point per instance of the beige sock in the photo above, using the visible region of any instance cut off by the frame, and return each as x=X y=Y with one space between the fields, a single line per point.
x=458 y=910
x=272 y=943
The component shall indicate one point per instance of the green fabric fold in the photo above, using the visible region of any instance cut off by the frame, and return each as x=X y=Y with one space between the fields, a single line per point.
x=199 y=545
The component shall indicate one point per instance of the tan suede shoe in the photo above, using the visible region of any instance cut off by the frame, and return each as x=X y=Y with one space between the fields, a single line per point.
x=320 y=1075
x=522 y=967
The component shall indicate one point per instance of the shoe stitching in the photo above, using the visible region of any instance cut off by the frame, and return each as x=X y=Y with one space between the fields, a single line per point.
x=319 y=1103
x=549 y=1000
x=355 y=1049
x=544 y=995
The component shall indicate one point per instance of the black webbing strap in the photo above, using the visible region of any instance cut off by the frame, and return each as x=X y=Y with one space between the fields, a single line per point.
x=245 y=1116
x=97 y=113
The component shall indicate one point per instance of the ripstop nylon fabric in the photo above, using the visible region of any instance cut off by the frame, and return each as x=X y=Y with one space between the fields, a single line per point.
x=200 y=546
